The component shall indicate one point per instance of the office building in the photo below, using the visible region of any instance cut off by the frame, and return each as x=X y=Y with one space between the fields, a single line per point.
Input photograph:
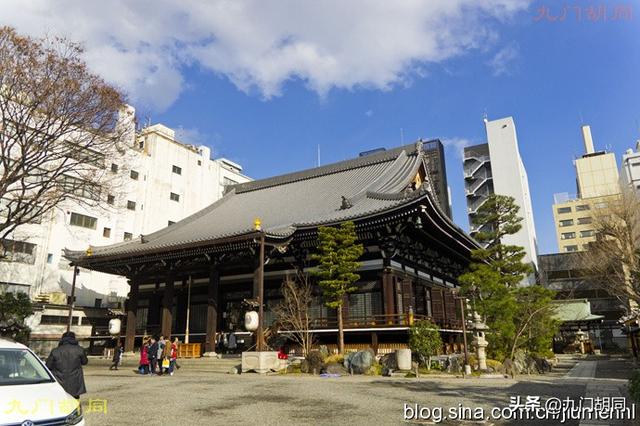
x=598 y=184
x=496 y=167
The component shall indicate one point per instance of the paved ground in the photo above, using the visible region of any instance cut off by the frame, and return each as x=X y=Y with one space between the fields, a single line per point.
x=196 y=396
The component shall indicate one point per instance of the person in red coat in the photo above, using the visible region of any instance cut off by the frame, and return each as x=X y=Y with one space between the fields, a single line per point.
x=144 y=357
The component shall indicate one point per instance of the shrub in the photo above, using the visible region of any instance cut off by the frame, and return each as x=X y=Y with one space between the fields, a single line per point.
x=634 y=386
x=425 y=340
x=334 y=359
x=375 y=370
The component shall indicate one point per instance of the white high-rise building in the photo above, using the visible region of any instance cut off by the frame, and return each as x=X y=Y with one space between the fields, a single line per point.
x=630 y=168
x=160 y=181
x=496 y=167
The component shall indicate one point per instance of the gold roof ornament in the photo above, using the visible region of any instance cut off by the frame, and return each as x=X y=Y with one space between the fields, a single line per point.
x=89 y=251
x=257 y=224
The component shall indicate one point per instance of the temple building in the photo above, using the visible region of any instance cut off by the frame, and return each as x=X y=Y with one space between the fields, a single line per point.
x=196 y=276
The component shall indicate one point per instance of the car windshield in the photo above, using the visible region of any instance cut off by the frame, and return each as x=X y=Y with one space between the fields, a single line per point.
x=21 y=367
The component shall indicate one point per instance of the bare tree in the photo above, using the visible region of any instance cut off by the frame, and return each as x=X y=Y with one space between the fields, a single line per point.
x=613 y=260
x=293 y=313
x=58 y=125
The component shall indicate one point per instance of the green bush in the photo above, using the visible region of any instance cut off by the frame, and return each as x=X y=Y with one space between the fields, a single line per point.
x=424 y=340
x=634 y=386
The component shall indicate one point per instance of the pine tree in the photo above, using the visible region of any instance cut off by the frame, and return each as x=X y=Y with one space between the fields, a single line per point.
x=337 y=257
x=513 y=313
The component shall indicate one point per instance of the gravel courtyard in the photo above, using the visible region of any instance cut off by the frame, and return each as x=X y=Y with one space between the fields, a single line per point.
x=200 y=397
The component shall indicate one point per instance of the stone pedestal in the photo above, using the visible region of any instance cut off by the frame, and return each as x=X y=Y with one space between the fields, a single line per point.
x=209 y=354
x=260 y=362
x=403 y=358
x=481 y=351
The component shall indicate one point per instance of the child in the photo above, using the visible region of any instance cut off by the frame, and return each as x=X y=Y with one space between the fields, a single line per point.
x=117 y=356
x=144 y=357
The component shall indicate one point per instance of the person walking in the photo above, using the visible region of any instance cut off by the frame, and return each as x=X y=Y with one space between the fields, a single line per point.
x=117 y=356
x=65 y=363
x=153 y=355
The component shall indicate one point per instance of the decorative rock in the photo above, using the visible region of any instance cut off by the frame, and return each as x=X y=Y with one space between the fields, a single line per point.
x=324 y=351
x=334 y=368
x=235 y=370
x=455 y=363
x=389 y=364
x=359 y=362
x=509 y=368
x=313 y=362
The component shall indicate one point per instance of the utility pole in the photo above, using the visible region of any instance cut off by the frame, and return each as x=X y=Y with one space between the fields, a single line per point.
x=73 y=296
x=464 y=335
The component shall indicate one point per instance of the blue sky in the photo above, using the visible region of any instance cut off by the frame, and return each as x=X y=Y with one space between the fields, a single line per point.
x=430 y=69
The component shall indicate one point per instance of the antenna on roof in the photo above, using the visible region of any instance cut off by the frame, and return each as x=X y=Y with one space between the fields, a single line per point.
x=401 y=136
x=485 y=117
x=318 y=155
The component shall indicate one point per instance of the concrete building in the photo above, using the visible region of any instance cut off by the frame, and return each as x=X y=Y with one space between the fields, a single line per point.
x=630 y=168
x=159 y=181
x=496 y=167
x=598 y=184
x=561 y=272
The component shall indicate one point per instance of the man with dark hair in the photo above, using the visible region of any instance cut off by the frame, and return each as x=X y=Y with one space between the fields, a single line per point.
x=153 y=354
x=66 y=361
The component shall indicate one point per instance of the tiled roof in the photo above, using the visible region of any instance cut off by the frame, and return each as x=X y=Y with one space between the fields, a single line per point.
x=347 y=190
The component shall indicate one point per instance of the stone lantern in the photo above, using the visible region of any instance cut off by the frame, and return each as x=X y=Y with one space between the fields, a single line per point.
x=479 y=341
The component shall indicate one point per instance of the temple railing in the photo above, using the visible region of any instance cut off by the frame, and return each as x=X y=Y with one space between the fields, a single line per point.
x=383 y=320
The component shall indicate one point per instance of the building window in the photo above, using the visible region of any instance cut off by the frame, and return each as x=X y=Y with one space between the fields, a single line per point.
x=18 y=251
x=106 y=232
x=111 y=199
x=226 y=181
x=584 y=220
x=570 y=248
x=49 y=257
x=566 y=222
x=177 y=170
x=80 y=187
x=134 y=175
x=601 y=205
x=84 y=221
x=199 y=162
x=582 y=207
x=170 y=223
x=635 y=164
x=174 y=197
x=131 y=205
x=141 y=144
x=564 y=210
x=97 y=303
x=568 y=236
x=587 y=233
x=128 y=236
x=114 y=168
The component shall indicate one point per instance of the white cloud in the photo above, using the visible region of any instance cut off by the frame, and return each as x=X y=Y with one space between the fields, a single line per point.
x=502 y=61
x=457 y=145
x=143 y=45
x=368 y=112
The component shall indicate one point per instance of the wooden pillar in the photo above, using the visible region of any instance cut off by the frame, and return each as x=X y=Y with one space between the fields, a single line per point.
x=212 y=309
x=387 y=294
x=374 y=342
x=167 y=304
x=132 y=311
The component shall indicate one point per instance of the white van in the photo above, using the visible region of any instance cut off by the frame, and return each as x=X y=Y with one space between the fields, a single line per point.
x=29 y=393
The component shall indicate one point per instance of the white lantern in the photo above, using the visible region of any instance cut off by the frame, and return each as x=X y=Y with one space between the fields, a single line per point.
x=251 y=321
x=114 y=326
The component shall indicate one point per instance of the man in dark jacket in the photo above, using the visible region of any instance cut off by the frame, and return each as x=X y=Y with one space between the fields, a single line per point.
x=66 y=361
x=153 y=355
